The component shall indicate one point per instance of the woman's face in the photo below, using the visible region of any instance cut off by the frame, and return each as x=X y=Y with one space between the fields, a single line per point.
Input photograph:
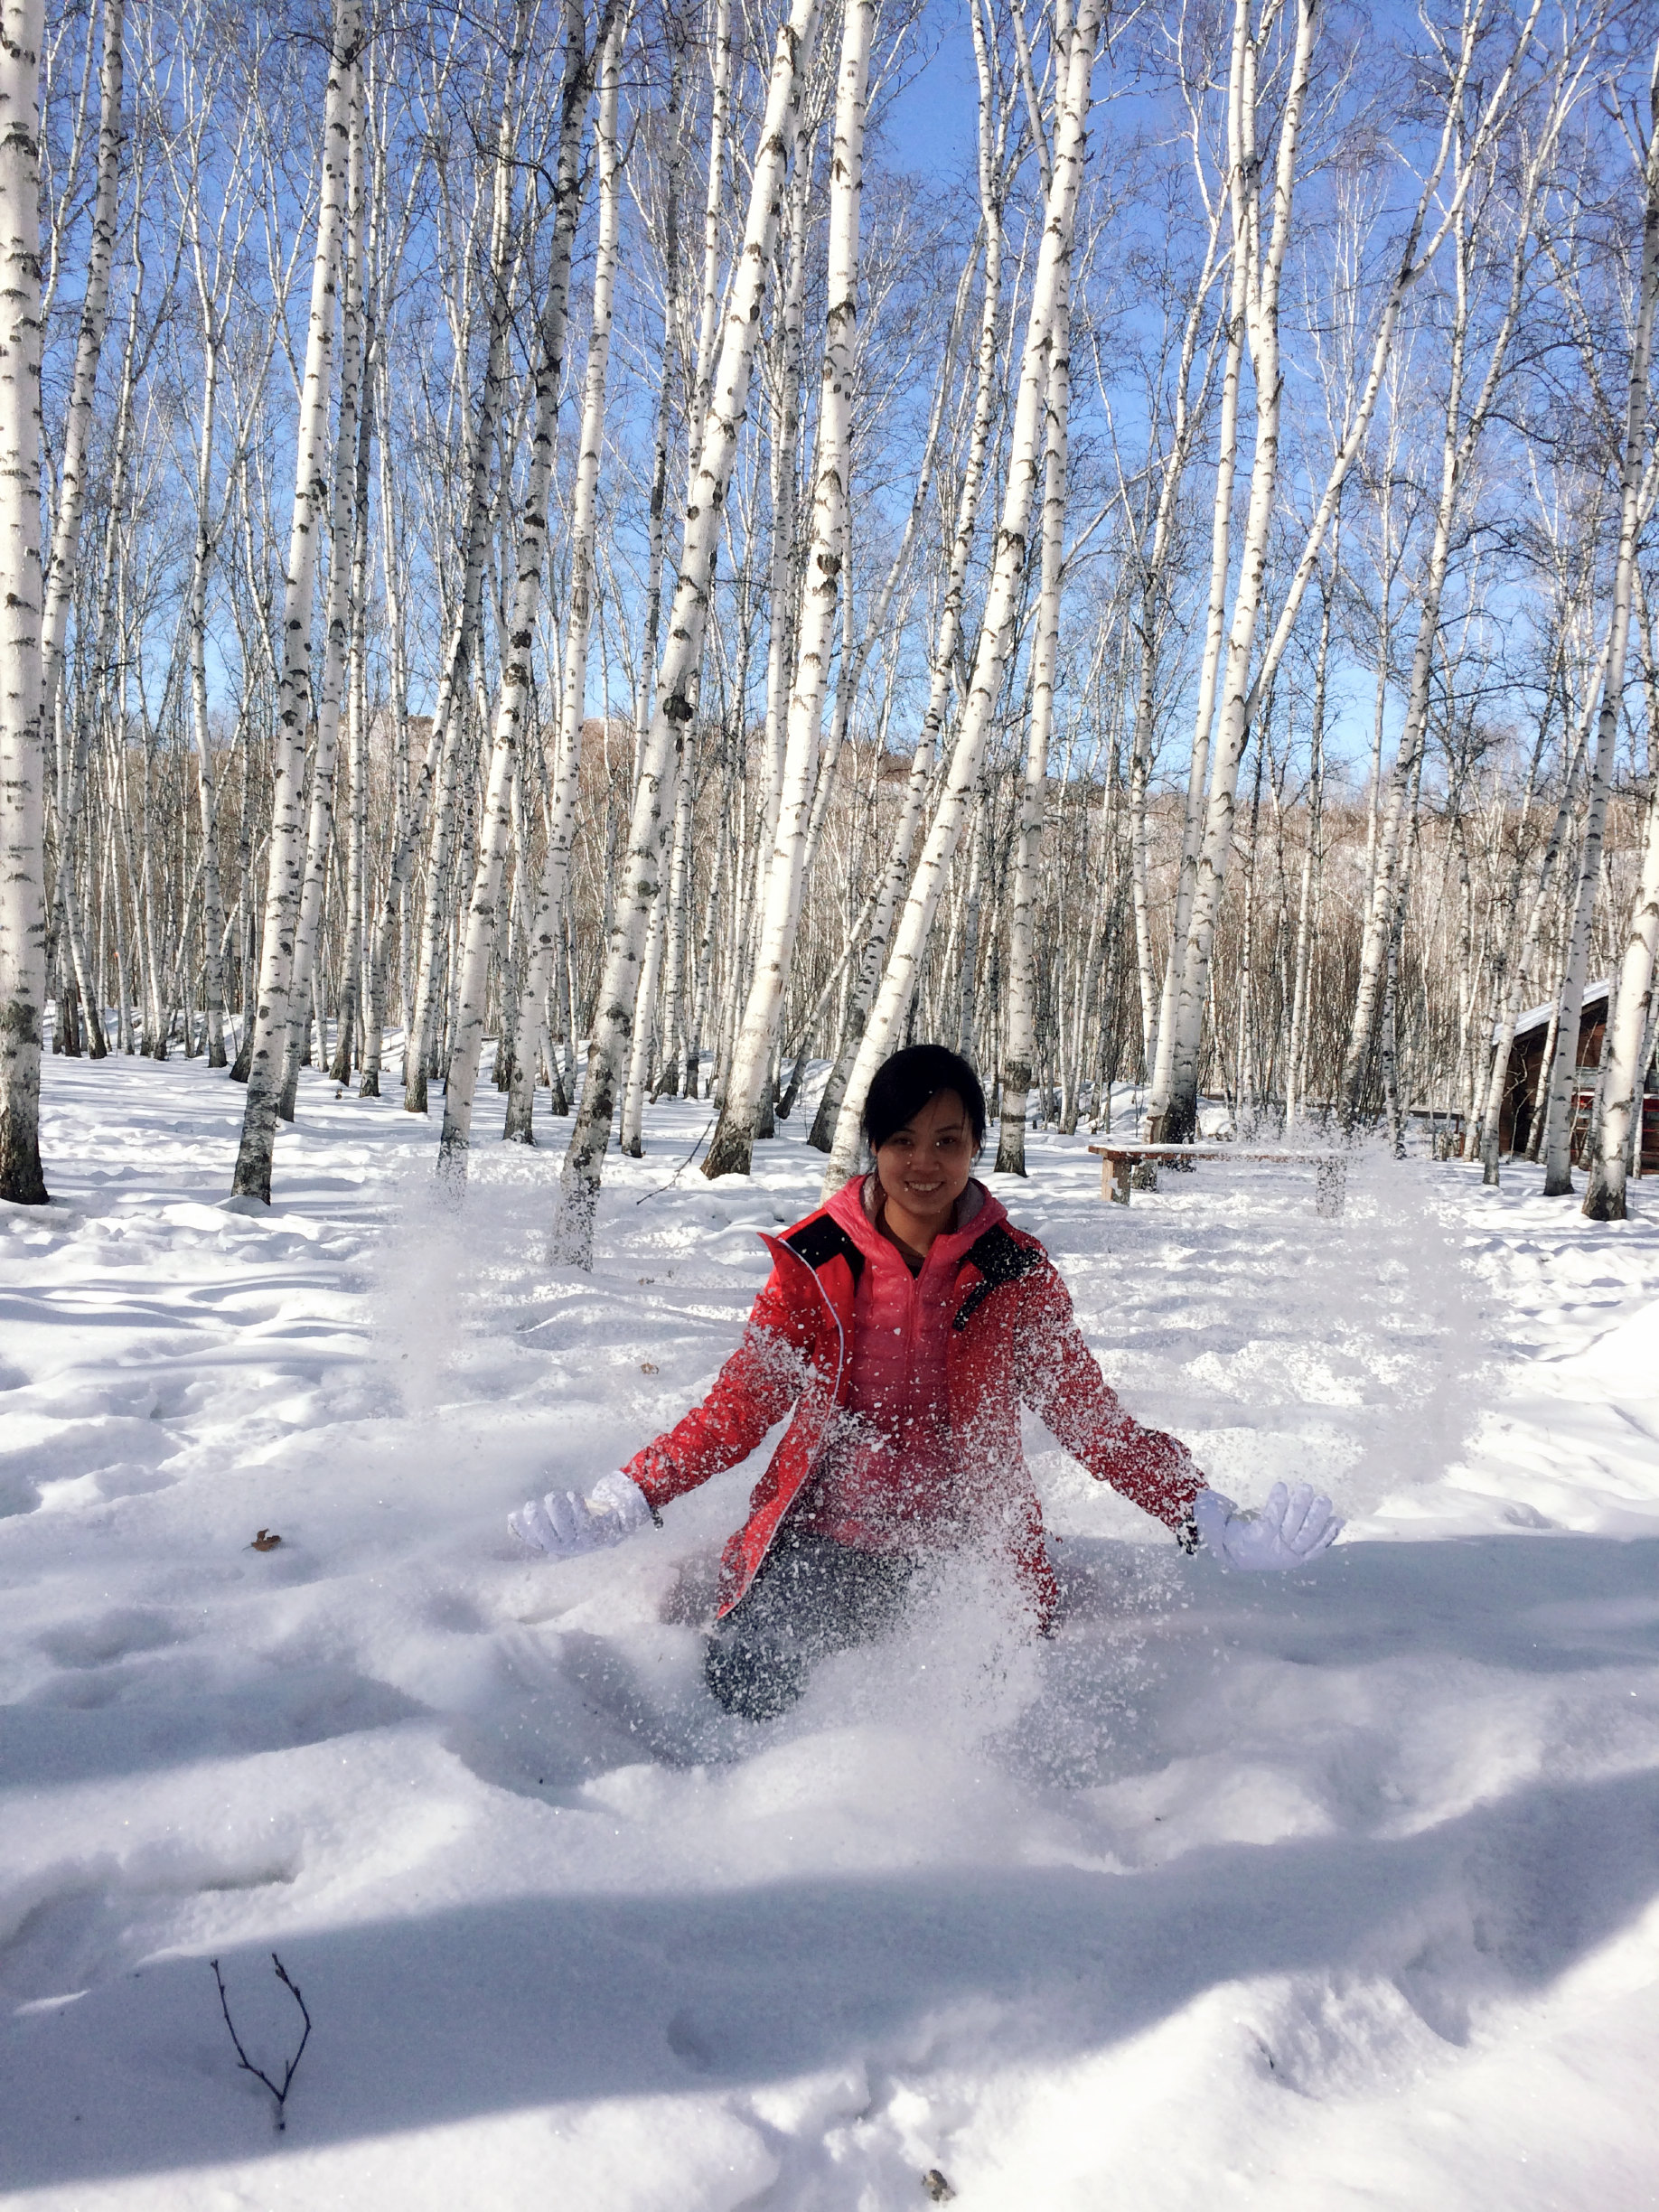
x=924 y=1167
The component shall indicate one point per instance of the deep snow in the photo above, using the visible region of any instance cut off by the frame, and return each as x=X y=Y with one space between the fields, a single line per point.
x=1325 y=1892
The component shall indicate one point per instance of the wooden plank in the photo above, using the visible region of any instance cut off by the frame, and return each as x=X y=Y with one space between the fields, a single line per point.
x=1207 y=1152
x=1120 y=1164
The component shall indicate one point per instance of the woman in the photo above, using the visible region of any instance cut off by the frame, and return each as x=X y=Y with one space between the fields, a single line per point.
x=906 y=1322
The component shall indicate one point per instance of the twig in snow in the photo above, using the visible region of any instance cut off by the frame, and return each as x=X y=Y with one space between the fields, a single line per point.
x=244 y=2061
x=678 y=1171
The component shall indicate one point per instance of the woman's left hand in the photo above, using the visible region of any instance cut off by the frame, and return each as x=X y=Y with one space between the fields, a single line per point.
x=1293 y=1527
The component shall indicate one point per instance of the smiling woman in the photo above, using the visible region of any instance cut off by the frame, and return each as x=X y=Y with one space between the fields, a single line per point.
x=908 y=1323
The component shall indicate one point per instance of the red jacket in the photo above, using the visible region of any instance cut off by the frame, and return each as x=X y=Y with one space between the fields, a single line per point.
x=1013 y=1342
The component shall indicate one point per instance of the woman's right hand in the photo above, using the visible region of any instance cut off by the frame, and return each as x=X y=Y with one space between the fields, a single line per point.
x=1290 y=1530
x=564 y=1524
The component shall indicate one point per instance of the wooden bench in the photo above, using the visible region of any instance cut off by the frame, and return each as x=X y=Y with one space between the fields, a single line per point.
x=1118 y=1163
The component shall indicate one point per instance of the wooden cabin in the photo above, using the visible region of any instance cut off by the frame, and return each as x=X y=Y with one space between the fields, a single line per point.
x=1526 y=1062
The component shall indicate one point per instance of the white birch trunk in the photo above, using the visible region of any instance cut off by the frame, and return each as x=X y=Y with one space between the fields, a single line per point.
x=1177 y=1110
x=1240 y=88
x=948 y=631
x=784 y=581
x=1497 y=1074
x=632 y=1133
x=409 y=808
x=271 y=1016
x=1558 y=1122
x=449 y=711
x=357 y=724
x=673 y=122
x=1386 y=857
x=1153 y=595
x=731 y=1150
x=547 y=926
x=512 y=707
x=674 y=984
x=708 y=312
x=1033 y=790
x=22 y=749
x=1307 y=900
x=212 y=902
x=61 y=564
x=1628 y=1045
x=683 y=654
x=340 y=619
x=996 y=633
x=1476 y=25
x=83 y=386
x=1460 y=441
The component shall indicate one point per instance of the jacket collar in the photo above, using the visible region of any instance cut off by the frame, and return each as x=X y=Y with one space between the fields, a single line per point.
x=978 y=1211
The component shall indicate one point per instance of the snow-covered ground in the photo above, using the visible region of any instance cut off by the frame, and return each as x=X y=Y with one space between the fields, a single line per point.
x=1313 y=1893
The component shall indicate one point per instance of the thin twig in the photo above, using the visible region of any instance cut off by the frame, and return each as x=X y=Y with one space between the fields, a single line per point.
x=243 y=2060
x=678 y=1171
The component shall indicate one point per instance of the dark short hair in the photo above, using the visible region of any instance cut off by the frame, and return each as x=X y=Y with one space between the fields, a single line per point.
x=902 y=1086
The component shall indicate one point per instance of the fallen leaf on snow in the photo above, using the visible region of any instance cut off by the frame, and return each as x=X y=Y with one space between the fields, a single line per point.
x=266 y=1539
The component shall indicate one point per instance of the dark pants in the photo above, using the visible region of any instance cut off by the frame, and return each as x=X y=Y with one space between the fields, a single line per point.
x=812 y=1597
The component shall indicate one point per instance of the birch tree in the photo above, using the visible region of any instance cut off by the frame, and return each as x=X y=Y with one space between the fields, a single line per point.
x=436 y=791
x=513 y=696
x=1033 y=790
x=23 y=818
x=1563 y=1070
x=1462 y=435
x=1628 y=1046
x=732 y=1148
x=682 y=653
x=546 y=928
x=341 y=618
x=72 y=491
x=993 y=136
x=996 y=624
x=1174 y=1103
x=274 y=1011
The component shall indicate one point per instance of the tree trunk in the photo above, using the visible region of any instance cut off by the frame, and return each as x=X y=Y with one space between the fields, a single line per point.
x=212 y=901
x=294 y=707
x=341 y=618
x=682 y=655
x=449 y=710
x=83 y=386
x=732 y=1148
x=1563 y=1073
x=22 y=762
x=1307 y=902
x=1178 y=1119
x=61 y=565
x=1627 y=1045
x=996 y=633
x=546 y=928
x=948 y=631
x=1512 y=978
x=357 y=722
x=513 y=702
x=1034 y=792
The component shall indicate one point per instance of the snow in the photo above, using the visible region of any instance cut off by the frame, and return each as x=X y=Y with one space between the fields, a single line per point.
x=1339 y=1890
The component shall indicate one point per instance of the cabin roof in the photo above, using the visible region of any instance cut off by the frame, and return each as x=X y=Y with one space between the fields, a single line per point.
x=1538 y=1017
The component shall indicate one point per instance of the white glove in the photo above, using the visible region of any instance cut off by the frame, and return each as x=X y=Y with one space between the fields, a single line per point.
x=564 y=1524
x=1292 y=1528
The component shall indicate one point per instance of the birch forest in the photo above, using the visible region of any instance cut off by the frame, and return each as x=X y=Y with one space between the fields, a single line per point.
x=561 y=555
